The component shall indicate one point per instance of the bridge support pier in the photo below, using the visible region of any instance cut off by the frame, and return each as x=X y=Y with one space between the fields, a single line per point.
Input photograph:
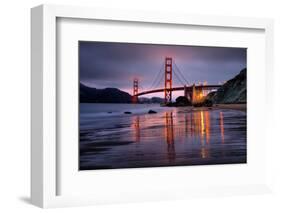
x=193 y=96
x=197 y=94
x=187 y=93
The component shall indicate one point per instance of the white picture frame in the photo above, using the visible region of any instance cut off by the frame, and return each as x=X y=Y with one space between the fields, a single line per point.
x=44 y=155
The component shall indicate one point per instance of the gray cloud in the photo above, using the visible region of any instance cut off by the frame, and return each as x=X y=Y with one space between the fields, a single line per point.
x=107 y=64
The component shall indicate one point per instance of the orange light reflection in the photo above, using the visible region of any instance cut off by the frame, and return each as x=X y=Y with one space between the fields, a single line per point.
x=222 y=127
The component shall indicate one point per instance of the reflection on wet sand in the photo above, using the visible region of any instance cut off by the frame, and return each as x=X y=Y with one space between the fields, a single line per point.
x=136 y=124
x=169 y=135
x=222 y=127
x=174 y=137
x=195 y=125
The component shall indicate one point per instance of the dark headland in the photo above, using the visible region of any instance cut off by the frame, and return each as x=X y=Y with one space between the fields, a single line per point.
x=233 y=91
x=111 y=95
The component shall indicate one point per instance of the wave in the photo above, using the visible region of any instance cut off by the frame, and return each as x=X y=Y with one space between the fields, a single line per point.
x=90 y=111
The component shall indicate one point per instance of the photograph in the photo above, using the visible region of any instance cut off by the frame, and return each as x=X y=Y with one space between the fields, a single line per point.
x=161 y=105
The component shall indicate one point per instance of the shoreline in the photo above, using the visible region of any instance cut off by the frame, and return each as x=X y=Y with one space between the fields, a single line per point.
x=239 y=107
x=164 y=139
x=144 y=109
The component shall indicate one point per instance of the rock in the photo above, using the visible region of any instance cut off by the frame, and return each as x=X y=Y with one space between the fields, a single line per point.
x=152 y=112
x=169 y=105
x=182 y=101
x=127 y=112
x=200 y=104
x=207 y=103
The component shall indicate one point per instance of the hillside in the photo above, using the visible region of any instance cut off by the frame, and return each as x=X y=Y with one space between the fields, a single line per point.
x=107 y=95
x=233 y=91
x=153 y=100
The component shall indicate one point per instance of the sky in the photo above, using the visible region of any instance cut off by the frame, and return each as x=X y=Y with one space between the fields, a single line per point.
x=115 y=65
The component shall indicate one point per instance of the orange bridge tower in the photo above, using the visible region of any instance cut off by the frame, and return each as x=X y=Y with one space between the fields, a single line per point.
x=135 y=91
x=168 y=80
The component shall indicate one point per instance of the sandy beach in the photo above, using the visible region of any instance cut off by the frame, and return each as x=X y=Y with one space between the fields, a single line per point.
x=174 y=136
x=241 y=107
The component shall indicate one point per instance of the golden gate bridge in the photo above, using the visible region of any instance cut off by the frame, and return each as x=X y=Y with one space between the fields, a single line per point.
x=194 y=93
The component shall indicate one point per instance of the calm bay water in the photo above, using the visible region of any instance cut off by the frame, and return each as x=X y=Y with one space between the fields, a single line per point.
x=172 y=137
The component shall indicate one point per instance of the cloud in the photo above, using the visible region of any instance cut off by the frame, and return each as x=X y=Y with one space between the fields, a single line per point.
x=108 y=64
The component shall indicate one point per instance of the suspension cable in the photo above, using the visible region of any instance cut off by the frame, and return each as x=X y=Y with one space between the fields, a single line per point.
x=179 y=79
x=141 y=87
x=160 y=80
x=157 y=77
x=180 y=73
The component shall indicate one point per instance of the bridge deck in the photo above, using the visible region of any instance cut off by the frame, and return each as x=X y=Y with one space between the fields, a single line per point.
x=188 y=88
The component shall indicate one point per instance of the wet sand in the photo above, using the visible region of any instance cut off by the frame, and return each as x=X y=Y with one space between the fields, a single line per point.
x=174 y=137
x=241 y=107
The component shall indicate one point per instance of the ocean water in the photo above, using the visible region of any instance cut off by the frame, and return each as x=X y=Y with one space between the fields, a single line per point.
x=182 y=136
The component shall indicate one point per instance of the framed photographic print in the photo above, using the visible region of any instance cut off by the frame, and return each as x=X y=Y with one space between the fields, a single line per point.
x=149 y=106
x=184 y=115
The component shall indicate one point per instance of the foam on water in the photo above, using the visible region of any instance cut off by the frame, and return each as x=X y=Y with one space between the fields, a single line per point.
x=111 y=110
